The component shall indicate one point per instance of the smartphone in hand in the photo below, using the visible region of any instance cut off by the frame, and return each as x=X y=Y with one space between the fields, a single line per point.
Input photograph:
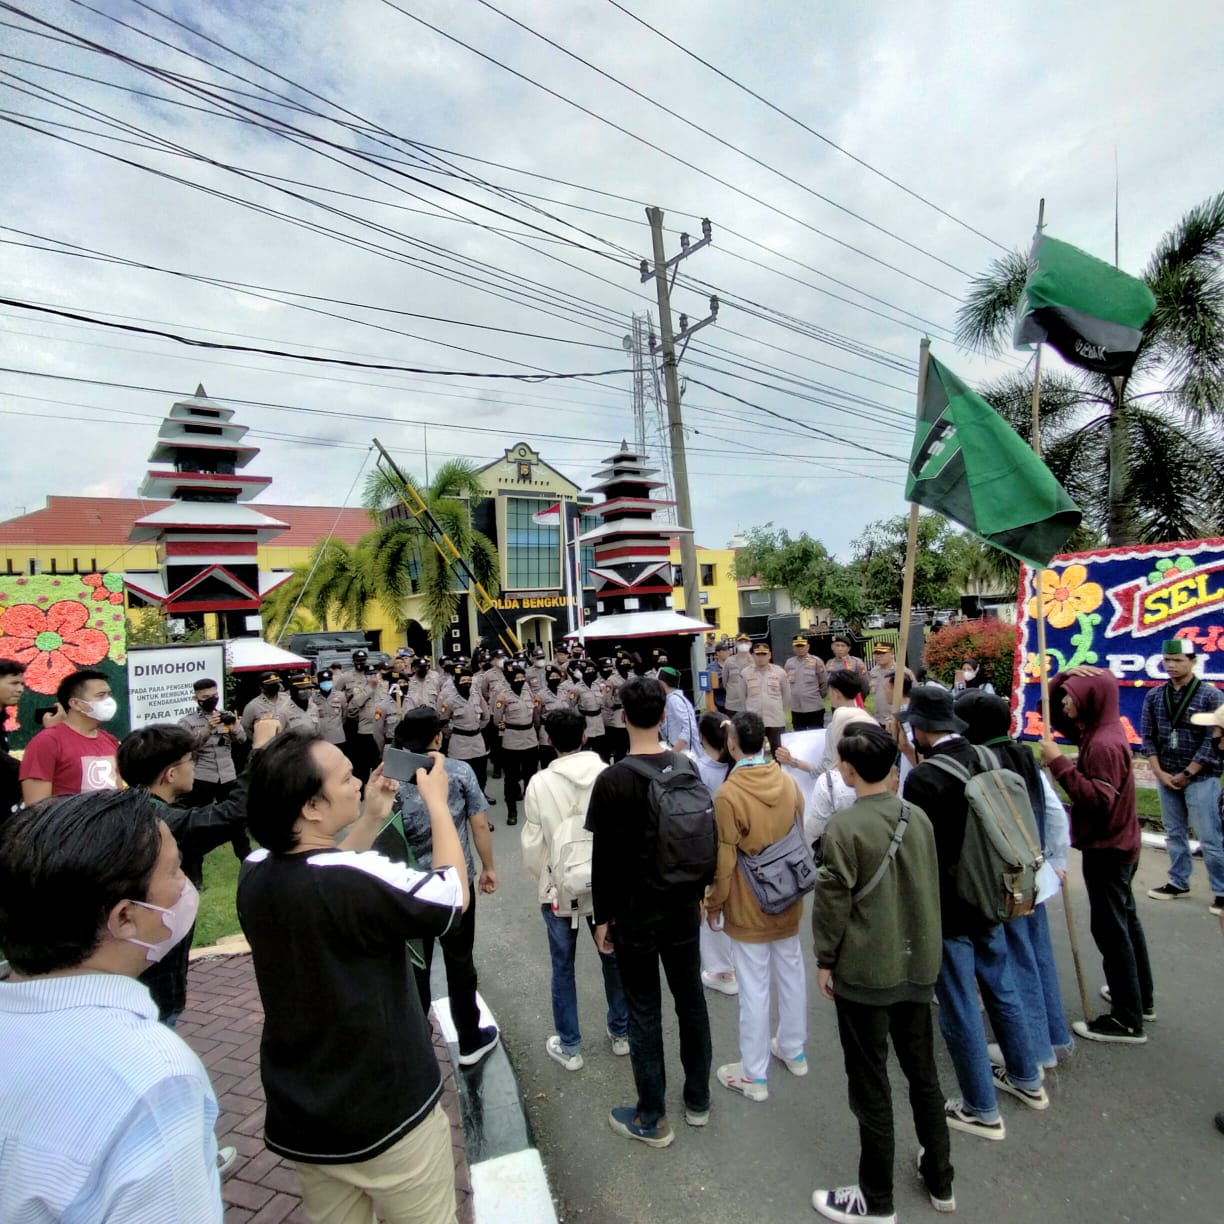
x=402 y=765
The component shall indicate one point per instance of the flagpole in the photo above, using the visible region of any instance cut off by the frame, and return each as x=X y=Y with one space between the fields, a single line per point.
x=1043 y=663
x=567 y=577
x=911 y=546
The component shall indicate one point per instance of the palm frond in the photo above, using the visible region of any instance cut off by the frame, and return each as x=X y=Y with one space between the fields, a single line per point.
x=987 y=316
x=1169 y=481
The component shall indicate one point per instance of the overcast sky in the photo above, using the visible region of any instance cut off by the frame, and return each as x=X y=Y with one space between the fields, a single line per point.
x=981 y=109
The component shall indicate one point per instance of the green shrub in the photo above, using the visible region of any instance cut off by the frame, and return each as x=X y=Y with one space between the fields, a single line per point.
x=991 y=642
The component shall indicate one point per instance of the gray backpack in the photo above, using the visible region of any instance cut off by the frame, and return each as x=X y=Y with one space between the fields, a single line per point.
x=781 y=874
x=1001 y=852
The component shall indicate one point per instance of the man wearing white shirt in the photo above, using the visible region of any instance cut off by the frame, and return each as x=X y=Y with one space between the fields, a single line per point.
x=105 y=1114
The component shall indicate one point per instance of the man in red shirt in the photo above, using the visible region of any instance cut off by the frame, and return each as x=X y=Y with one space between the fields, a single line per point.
x=75 y=755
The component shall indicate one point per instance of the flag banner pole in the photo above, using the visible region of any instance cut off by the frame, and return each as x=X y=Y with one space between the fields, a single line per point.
x=1043 y=667
x=911 y=545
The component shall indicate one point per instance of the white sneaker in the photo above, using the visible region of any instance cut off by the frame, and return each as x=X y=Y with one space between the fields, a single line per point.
x=796 y=1066
x=994 y=1052
x=847 y=1205
x=723 y=983
x=571 y=1062
x=226 y=1157
x=620 y=1045
x=945 y=1206
x=731 y=1075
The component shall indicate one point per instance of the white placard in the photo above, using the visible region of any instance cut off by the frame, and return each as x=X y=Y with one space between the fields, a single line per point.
x=160 y=679
x=804 y=746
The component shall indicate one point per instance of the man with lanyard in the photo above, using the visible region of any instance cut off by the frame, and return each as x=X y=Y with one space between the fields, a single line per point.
x=679 y=720
x=1186 y=767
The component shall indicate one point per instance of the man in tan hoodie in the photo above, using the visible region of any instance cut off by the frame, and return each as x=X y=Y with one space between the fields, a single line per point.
x=755 y=807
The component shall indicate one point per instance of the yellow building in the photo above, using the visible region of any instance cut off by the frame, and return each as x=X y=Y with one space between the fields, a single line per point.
x=717 y=590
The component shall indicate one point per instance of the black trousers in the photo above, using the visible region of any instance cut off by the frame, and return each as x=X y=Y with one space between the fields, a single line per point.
x=807 y=720
x=364 y=756
x=213 y=792
x=548 y=754
x=1118 y=934
x=774 y=736
x=595 y=744
x=493 y=743
x=480 y=767
x=864 y=1032
x=519 y=765
x=671 y=940
x=457 y=945
x=616 y=744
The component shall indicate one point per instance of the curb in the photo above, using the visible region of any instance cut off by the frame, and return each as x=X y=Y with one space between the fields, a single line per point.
x=509 y=1185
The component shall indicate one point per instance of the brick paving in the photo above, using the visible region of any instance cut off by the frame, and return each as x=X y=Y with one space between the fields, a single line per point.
x=222 y=1023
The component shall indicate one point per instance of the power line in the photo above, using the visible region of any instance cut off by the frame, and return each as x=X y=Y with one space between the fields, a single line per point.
x=943 y=212
x=666 y=153
x=697 y=127
x=247 y=348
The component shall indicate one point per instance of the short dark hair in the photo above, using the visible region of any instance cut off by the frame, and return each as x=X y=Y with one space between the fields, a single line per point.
x=643 y=700
x=713 y=729
x=871 y=750
x=200 y=685
x=281 y=779
x=70 y=686
x=847 y=683
x=564 y=729
x=841 y=637
x=65 y=863
x=42 y=713
x=417 y=728
x=147 y=751
x=907 y=683
x=10 y=667
x=749 y=732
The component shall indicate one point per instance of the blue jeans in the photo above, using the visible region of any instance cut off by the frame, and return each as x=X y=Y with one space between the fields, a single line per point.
x=983 y=959
x=562 y=947
x=1032 y=957
x=1198 y=805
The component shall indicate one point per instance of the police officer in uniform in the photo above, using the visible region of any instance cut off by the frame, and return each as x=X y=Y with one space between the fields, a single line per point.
x=328 y=706
x=809 y=682
x=364 y=700
x=616 y=737
x=517 y=714
x=767 y=694
x=537 y=671
x=733 y=675
x=469 y=715
x=552 y=698
x=275 y=701
x=492 y=678
x=586 y=697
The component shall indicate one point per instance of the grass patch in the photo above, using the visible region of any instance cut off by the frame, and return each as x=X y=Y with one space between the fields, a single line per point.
x=218 y=914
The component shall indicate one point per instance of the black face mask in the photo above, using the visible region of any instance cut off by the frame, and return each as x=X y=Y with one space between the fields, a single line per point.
x=270 y=690
x=606 y=672
x=209 y=704
x=299 y=698
x=589 y=677
x=465 y=687
x=554 y=683
x=420 y=671
x=516 y=686
x=625 y=668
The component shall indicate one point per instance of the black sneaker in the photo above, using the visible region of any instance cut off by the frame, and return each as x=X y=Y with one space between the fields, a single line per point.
x=847 y=1205
x=1106 y=1028
x=486 y=1040
x=961 y=1119
x=1217 y=906
x=1168 y=892
x=1219 y=1121
x=1149 y=1012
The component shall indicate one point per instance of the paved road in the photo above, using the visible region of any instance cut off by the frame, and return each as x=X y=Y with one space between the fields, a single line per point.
x=1128 y=1136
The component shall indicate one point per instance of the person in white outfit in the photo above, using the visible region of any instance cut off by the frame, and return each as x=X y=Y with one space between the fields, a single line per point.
x=755 y=807
x=713 y=764
x=555 y=806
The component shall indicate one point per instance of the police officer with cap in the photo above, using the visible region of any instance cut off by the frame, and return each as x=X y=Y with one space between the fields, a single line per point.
x=809 y=682
x=517 y=714
x=733 y=675
x=272 y=700
x=328 y=707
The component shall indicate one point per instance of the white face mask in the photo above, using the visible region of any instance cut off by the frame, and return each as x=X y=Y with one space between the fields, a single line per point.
x=970 y=672
x=178 y=919
x=103 y=710
x=742 y=647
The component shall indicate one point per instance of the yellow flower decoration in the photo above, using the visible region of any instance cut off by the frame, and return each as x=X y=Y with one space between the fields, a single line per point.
x=1032 y=666
x=1065 y=596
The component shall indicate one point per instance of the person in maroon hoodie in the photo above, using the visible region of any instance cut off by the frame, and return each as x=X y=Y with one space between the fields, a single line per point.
x=1100 y=783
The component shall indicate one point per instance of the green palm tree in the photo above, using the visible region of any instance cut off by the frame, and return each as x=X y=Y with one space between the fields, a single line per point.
x=406 y=563
x=345 y=580
x=1138 y=455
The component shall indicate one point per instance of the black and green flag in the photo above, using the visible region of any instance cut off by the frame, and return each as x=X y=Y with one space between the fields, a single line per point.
x=1092 y=313
x=971 y=466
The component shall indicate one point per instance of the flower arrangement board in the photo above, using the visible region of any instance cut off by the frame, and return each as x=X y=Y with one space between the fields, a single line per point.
x=1113 y=608
x=56 y=624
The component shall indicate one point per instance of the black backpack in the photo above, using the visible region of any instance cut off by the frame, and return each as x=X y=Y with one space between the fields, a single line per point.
x=683 y=834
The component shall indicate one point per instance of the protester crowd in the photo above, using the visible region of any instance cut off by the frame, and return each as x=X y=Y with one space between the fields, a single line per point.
x=676 y=840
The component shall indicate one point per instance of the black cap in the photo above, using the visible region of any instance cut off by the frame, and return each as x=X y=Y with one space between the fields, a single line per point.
x=931 y=709
x=360 y=654
x=270 y=678
x=325 y=674
x=373 y=670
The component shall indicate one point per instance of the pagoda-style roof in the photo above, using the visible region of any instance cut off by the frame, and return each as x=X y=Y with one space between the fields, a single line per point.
x=169 y=485
x=624 y=625
x=637 y=527
x=628 y=506
x=206 y=517
x=168 y=450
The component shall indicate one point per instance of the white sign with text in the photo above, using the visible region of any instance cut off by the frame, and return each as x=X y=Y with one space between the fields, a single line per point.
x=161 y=679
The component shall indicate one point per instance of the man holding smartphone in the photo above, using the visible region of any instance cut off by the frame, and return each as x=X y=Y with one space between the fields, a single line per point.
x=409 y=838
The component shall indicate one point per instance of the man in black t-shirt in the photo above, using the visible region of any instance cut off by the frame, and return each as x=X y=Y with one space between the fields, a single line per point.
x=647 y=921
x=347 y=1060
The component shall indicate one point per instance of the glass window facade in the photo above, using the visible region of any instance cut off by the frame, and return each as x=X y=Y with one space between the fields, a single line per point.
x=533 y=552
x=587 y=522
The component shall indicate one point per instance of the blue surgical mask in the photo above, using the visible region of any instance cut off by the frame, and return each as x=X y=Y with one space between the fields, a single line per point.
x=325 y=686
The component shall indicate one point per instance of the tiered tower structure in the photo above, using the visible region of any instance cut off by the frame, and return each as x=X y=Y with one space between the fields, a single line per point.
x=207 y=540
x=632 y=570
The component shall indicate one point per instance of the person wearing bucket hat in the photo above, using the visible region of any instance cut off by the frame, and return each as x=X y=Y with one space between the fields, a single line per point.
x=974 y=949
x=1186 y=767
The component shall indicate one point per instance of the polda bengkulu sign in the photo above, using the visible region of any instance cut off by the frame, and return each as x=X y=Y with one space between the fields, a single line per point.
x=1113 y=608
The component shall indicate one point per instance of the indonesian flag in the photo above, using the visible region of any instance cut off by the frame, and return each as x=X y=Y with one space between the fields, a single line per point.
x=549 y=517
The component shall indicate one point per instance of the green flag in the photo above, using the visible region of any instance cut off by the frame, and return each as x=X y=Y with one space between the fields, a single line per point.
x=1089 y=311
x=972 y=467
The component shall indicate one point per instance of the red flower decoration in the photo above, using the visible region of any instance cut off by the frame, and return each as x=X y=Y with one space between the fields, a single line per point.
x=52 y=643
x=103 y=590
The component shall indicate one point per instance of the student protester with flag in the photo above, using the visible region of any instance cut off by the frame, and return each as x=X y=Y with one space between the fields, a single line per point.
x=1186 y=767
